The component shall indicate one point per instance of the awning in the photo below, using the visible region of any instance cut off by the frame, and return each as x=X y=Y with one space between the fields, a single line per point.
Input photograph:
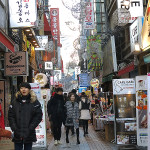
x=107 y=78
x=6 y=41
x=127 y=69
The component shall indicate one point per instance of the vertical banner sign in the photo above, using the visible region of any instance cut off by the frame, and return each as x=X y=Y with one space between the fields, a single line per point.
x=141 y=110
x=94 y=52
x=148 y=112
x=125 y=110
x=41 y=128
x=77 y=71
x=135 y=32
x=84 y=80
x=54 y=16
x=89 y=19
x=57 y=76
x=23 y=13
x=134 y=7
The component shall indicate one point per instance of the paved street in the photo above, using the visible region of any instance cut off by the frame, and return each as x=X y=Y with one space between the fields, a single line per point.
x=95 y=140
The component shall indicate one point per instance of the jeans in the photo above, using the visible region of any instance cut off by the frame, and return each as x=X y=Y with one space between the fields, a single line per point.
x=19 y=146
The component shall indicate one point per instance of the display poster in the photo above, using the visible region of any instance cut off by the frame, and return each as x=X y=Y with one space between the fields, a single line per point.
x=141 y=110
x=41 y=128
x=148 y=112
x=82 y=89
x=125 y=110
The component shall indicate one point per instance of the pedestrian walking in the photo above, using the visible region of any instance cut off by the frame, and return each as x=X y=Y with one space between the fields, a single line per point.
x=56 y=110
x=76 y=96
x=72 y=119
x=24 y=115
x=84 y=107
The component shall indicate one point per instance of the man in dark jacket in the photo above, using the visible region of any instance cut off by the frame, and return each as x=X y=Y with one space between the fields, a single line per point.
x=24 y=115
x=56 y=112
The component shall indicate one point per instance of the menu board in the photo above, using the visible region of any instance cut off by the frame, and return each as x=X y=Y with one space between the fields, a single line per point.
x=125 y=110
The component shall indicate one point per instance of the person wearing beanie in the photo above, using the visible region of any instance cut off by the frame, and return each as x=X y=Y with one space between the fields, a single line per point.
x=24 y=115
x=57 y=114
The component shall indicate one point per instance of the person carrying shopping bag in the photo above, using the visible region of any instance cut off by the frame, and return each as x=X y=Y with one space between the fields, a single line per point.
x=84 y=107
x=72 y=118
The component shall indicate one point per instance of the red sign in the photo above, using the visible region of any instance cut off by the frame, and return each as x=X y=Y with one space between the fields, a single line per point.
x=55 y=30
x=127 y=69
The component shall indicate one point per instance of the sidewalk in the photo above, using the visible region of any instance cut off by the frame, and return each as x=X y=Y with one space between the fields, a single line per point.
x=95 y=140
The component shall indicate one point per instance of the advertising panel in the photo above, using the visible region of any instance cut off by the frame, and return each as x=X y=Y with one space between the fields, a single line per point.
x=135 y=32
x=134 y=7
x=148 y=112
x=89 y=18
x=41 y=78
x=41 y=128
x=77 y=71
x=141 y=111
x=16 y=64
x=84 y=80
x=146 y=28
x=54 y=16
x=23 y=13
x=57 y=76
x=125 y=110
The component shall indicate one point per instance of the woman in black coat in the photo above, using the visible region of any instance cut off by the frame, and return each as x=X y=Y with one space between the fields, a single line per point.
x=24 y=116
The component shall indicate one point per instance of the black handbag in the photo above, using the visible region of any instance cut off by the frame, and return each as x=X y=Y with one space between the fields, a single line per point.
x=69 y=121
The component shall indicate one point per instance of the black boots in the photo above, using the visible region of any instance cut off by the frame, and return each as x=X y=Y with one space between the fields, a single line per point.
x=67 y=140
x=77 y=132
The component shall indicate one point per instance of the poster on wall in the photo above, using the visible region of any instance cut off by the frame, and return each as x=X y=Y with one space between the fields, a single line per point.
x=141 y=110
x=125 y=110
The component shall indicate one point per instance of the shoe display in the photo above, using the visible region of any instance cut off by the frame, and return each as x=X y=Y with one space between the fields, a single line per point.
x=55 y=142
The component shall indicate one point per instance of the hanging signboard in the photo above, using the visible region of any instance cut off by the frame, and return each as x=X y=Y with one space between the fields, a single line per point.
x=135 y=8
x=57 y=76
x=77 y=71
x=48 y=65
x=16 y=64
x=54 y=16
x=41 y=78
x=84 y=80
x=94 y=83
x=135 y=32
x=125 y=110
x=43 y=41
x=141 y=110
x=22 y=13
x=89 y=18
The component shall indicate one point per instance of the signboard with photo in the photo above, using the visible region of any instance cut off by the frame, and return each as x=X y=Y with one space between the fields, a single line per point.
x=16 y=64
x=125 y=110
x=141 y=110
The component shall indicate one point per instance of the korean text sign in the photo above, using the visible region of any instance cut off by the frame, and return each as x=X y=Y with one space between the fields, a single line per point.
x=23 y=13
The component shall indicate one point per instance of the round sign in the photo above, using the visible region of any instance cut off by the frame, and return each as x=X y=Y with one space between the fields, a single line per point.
x=41 y=78
x=94 y=82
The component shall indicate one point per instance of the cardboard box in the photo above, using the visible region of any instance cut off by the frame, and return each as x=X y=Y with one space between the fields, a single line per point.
x=6 y=144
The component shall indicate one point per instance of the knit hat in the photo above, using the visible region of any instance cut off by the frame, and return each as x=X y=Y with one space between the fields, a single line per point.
x=25 y=84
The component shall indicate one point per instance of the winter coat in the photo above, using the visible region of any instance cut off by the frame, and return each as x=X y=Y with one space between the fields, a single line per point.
x=56 y=108
x=25 y=117
x=2 y=125
x=84 y=108
x=72 y=112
